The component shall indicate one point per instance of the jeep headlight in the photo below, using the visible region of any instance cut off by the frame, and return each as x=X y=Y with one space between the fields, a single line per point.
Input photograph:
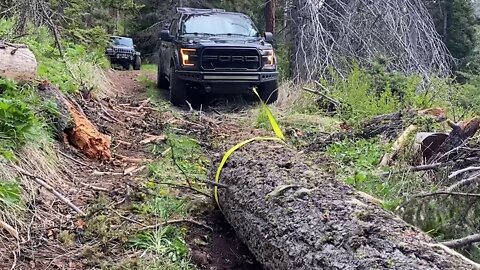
x=268 y=58
x=188 y=57
x=110 y=51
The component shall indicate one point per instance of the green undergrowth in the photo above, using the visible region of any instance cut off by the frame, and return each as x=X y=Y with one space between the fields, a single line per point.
x=356 y=163
x=179 y=159
x=23 y=116
x=183 y=160
x=149 y=67
x=81 y=65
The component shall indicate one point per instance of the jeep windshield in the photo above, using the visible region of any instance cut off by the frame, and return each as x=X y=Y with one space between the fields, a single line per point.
x=121 y=41
x=218 y=24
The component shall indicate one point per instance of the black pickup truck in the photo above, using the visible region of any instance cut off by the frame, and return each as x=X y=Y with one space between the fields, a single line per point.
x=213 y=51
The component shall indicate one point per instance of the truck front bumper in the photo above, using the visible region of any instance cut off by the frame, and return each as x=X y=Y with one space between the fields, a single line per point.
x=204 y=77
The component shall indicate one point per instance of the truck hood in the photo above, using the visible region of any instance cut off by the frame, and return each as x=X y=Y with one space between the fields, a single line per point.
x=226 y=42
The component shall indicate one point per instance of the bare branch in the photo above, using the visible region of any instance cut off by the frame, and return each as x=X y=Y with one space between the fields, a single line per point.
x=465 y=241
x=329 y=34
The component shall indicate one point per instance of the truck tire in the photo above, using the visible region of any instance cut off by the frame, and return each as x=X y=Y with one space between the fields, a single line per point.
x=269 y=91
x=162 y=81
x=178 y=89
x=137 y=63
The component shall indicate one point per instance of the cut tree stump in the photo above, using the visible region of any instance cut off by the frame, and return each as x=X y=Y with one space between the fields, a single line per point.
x=17 y=62
x=292 y=216
x=73 y=125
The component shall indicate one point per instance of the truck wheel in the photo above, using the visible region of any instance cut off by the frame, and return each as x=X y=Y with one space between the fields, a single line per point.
x=269 y=92
x=178 y=89
x=137 y=64
x=162 y=81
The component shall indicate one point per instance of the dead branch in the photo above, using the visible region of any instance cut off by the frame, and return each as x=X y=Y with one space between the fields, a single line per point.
x=333 y=34
x=153 y=139
x=335 y=102
x=44 y=184
x=398 y=145
x=462 y=194
x=94 y=187
x=75 y=160
x=474 y=178
x=97 y=173
x=462 y=242
x=468 y=169
x=9 y=229
x=132 y=159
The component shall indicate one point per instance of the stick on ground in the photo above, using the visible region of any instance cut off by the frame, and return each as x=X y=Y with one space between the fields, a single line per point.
x=44 y=184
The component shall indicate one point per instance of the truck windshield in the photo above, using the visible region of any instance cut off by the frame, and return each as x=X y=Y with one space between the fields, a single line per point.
x=121 y=41
x=214 y=24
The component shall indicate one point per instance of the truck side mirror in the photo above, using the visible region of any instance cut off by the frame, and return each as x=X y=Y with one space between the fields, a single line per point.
x=268 y=37
x=165 y=36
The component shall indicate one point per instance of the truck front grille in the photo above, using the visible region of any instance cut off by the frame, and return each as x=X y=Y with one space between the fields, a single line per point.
x=124 y=51
x=230 y=59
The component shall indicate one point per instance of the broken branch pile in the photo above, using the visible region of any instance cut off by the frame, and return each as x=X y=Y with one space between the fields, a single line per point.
x=291 y=216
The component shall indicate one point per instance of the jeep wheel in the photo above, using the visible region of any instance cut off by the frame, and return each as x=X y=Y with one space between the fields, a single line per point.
x=178 y=89
x=269 y=92
x=137 y=64
x=162 y=81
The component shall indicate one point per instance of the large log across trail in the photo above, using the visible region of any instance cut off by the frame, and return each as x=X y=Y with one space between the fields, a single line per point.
x=291 y=216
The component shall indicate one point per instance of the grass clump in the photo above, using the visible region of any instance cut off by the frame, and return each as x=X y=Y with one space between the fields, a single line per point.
x=183 y=159
x=167 y=242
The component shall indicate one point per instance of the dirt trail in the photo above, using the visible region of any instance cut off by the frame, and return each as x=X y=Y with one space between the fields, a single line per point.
x=108 y=194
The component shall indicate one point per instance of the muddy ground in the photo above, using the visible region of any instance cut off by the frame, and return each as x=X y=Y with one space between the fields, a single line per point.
x=62 y=240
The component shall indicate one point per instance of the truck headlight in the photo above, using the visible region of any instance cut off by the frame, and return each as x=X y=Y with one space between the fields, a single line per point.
x=188 y=57
x=268 y=58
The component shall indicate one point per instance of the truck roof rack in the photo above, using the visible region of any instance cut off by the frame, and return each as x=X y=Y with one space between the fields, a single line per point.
x=198 y=10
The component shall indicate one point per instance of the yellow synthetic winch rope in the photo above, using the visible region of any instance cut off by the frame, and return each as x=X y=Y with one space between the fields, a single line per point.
x=276 y=129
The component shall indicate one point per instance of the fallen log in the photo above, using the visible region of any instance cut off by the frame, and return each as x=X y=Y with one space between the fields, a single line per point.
x=292 y=216
x=73 y=125
x=17 y=62
x=460 y=133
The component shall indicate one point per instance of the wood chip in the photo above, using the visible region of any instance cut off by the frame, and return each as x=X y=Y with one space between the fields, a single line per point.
x=97 y=173
x=154 y=139
x=129 y=171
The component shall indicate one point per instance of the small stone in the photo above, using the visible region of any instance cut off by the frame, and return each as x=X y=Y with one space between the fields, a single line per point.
x=199 y=257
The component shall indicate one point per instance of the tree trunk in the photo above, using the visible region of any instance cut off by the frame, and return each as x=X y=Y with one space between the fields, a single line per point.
x=270 y=9
x=17 y=62
x=73 y=125
x=293 y=216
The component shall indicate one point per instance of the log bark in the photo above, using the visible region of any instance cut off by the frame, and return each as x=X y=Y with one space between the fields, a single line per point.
x=460 y=133
x=17 y=62
x=74 y=126
x=293 y=216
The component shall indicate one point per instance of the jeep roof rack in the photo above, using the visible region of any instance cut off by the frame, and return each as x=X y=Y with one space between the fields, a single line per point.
x=198 y=10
